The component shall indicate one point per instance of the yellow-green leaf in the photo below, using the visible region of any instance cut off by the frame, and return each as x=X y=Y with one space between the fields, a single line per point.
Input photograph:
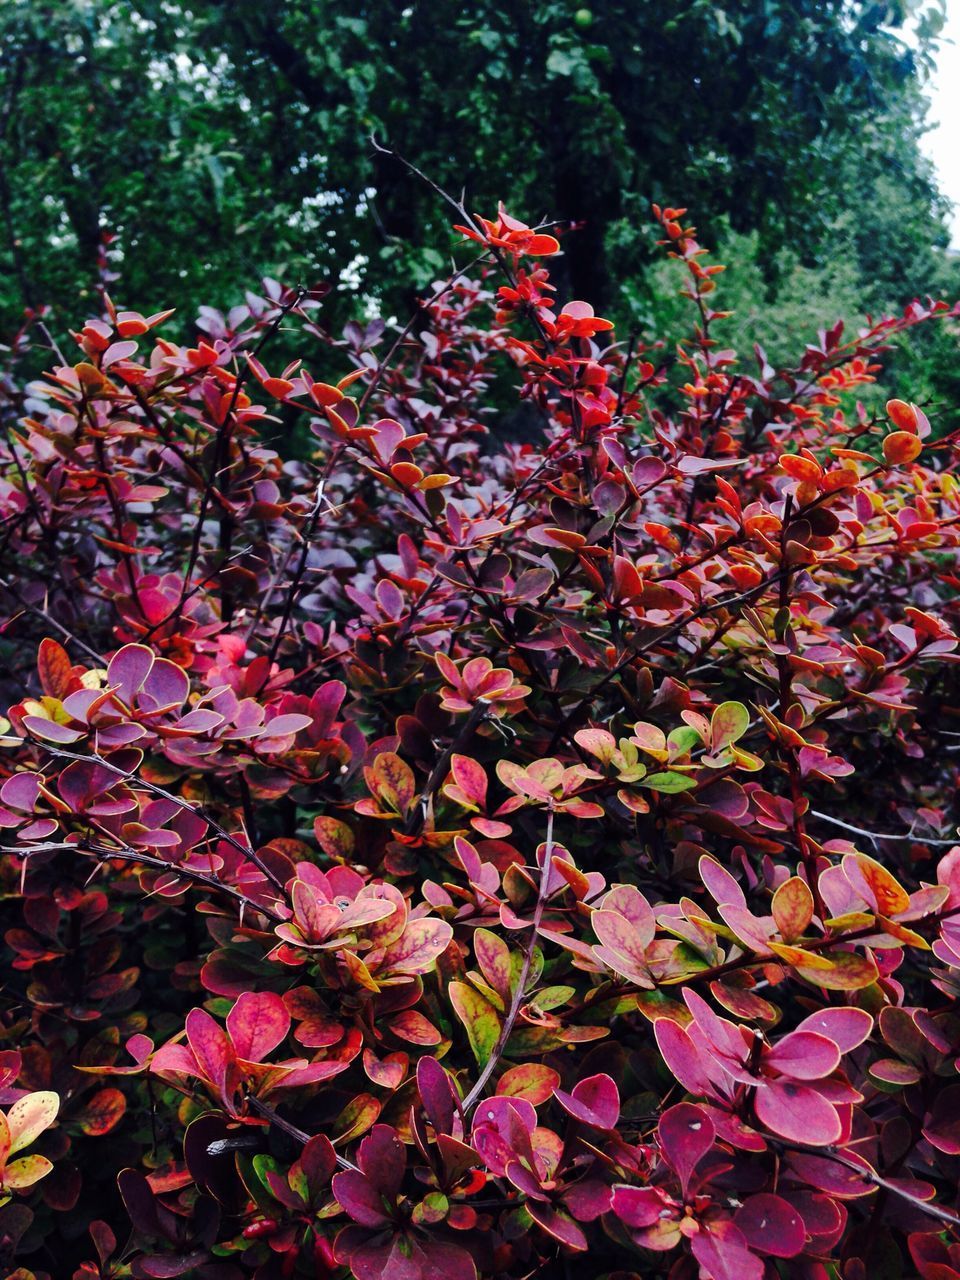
x=25 y=1172
x=30 y=1116
x=480 y=1019
x=728 y=723
x=850 y=972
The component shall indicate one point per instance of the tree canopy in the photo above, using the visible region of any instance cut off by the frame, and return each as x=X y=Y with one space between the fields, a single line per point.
x=232 y=139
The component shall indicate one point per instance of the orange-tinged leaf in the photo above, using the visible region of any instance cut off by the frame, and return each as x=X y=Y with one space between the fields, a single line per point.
x=900 y=447
x=902 y=415
x=103 y=1112
x=849 y=920
x=406 y=473
x=884 y=892
x=792 y=908
x=357 y=1117
x=899 y=931
x=801 y=468
x=565 y=537
x=531 y=1080
x=598 y=742
x=325 y=395
x=541 y=246
x=493 y=957
x=414 y=1027
x=728 y=723
x=54 y=668
x=391 y=780
x=334 y=837
x=801 y=959
x=386 y=1072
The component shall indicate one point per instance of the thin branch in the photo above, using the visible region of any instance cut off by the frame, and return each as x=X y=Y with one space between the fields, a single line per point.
x=249 y=853
x=292 y=1131
x=881 y=835
x=148 y=860
x=418 y=814
x=404 y=333
x=476 y=1093
x=58 y=626
x=870 y=1175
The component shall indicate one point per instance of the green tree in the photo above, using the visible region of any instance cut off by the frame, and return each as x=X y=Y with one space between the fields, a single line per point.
x=229 y=139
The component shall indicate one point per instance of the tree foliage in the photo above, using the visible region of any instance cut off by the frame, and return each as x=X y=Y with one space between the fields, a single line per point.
x=231 y=140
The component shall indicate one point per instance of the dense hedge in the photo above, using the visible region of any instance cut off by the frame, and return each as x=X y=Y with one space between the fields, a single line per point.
x=448 y=856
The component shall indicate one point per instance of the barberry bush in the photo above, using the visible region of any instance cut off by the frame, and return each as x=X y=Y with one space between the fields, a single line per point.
x=448 y=855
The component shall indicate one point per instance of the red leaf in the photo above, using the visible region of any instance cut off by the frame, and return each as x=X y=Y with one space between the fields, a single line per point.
x=686 y=1134
x=797 y=1112
x=594 y=1101
x=772 y=1226
x=357 y=1196
x=210 y=1046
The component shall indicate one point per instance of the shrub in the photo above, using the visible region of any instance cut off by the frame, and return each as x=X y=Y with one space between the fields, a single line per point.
x=451 y=854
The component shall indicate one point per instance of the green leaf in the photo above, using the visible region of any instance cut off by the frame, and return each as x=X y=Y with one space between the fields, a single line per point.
x=669 y=783
x=729 y=723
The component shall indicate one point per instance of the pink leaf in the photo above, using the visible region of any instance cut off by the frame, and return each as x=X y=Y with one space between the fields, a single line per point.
x=846 y=1026
x=50 y=731
x=257 y=1023
x=637 y=1207
x=166 y=684
x=594 y=1101
x=210 y=1046
x=683 y=1058
x=470 y=778
x=722 y=1253
x=619 y=935
x=417 y=948
x=803 y=1055
x=797 y=1112
x=558 y=1225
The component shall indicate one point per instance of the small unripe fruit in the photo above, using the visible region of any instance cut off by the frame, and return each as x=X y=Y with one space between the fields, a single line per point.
x=583 y=18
